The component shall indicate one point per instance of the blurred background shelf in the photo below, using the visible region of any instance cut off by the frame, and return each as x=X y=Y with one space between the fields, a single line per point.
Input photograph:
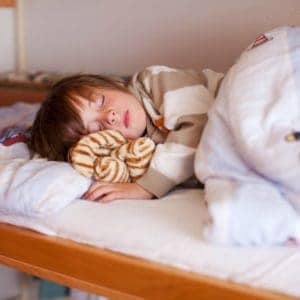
x=27 y=87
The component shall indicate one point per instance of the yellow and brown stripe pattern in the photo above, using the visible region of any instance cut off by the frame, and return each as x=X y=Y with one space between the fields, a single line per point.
x=106 y=156
x=137 y=156
x=83 y=155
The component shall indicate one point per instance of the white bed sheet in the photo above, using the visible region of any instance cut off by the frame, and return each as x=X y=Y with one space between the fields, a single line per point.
x=169 y=231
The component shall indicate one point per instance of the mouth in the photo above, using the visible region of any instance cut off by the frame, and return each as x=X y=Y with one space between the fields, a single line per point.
x=126 y=119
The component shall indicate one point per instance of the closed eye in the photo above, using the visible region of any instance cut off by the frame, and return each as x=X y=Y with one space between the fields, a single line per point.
x=100 y=100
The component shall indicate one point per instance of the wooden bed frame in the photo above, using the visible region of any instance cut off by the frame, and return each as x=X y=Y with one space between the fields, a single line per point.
x=111 y=274
x=104 y=272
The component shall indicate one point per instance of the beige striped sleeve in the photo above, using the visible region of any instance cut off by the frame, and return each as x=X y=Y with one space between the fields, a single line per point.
x=182 y=98
x=156 y=81
x=177 y=152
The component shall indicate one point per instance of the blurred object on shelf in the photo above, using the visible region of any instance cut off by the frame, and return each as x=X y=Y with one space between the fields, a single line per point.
x=40 y=79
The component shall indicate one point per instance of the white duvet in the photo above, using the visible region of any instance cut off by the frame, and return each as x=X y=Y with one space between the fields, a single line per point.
x=250 y=169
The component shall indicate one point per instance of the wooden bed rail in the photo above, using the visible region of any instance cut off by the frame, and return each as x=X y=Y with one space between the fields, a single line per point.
x=111 y=274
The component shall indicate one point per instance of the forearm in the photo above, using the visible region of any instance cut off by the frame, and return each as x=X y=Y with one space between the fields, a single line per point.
x=156 y=183
x=171 y=165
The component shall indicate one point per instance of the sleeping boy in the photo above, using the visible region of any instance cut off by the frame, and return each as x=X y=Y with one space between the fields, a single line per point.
x=168 y=105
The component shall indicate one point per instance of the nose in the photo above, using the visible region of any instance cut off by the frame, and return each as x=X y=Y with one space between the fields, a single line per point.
x=111 y=117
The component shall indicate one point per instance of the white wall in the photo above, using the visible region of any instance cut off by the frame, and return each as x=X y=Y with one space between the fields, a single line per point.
x=7 y=41
x=122 y=36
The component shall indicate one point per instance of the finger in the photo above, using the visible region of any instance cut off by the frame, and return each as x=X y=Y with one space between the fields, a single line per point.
x=99 y=192
x=93 y=187
x=111 y=197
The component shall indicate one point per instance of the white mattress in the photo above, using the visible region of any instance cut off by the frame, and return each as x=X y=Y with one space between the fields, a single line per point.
x=169 y=231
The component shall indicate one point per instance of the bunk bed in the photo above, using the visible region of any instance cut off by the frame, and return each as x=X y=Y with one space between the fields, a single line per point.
x=116 y=274
x=111 y=273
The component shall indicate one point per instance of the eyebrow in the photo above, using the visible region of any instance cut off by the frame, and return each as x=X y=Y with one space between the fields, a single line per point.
x=93 y=95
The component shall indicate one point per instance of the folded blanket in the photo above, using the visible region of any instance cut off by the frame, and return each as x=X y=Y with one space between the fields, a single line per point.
x=247 y=159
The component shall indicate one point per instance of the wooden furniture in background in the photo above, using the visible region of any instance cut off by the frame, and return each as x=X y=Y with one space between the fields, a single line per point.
x=7 y=3
x=26 y=87
x=9 y=94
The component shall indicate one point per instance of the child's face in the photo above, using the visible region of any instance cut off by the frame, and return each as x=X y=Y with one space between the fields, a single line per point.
x=112 y=109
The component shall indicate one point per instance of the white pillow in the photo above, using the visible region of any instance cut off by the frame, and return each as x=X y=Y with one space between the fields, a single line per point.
x=37 y=187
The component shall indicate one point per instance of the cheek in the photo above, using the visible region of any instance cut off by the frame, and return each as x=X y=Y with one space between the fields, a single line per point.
x=93 y=129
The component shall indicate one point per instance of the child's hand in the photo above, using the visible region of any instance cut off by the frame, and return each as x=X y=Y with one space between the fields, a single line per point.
x=106 y=192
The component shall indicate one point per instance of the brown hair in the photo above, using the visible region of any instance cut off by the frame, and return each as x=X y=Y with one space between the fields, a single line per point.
x=57 y=125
